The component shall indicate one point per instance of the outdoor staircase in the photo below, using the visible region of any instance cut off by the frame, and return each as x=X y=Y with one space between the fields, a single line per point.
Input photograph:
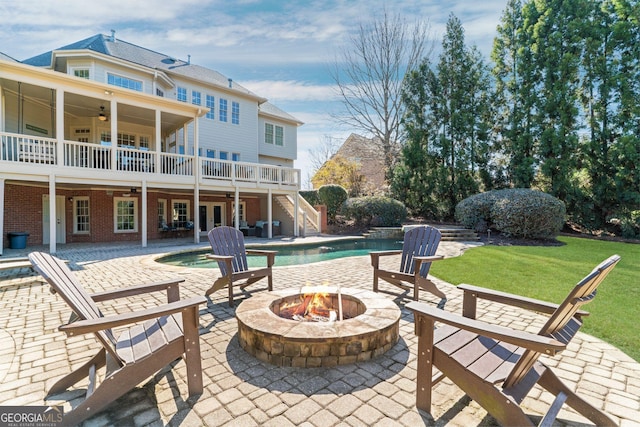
x=312 y=225
x=450 y=233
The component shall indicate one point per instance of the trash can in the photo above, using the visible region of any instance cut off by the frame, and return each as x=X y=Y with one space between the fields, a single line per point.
x=18 y=240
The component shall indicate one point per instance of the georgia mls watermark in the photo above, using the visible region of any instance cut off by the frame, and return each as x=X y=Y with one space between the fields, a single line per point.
x=31 y=416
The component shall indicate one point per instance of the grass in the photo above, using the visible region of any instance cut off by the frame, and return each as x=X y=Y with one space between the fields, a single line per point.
x=549 y=272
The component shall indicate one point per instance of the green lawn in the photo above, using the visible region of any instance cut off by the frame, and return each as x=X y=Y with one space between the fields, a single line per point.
x=549 y=272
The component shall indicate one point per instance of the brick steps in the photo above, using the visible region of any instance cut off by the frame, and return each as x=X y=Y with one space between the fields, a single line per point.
x=449 y=233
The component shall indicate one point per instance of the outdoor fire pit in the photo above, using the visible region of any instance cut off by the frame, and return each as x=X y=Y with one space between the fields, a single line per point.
x=323 y=326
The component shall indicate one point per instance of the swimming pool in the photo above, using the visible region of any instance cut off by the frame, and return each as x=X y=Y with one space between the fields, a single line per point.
x=291 y=254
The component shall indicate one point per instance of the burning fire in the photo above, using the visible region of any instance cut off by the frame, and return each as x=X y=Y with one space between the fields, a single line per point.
x=315 y=305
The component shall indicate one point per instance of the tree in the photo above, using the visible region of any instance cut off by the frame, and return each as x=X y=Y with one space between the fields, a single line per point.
x=341 y=171
x=369 y=74
x=514 y=96
x=447 y=127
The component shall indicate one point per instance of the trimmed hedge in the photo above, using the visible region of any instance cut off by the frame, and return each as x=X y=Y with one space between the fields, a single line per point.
x=517 y=212
x=377 y=211
x=333 y=196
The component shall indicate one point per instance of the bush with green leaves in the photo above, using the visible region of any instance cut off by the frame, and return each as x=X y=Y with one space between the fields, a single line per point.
x=377 y=211
x=516 y=212
x=332 y=196
x=311 y=196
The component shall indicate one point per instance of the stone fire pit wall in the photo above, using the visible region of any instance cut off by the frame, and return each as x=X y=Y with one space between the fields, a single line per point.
x=285 y=342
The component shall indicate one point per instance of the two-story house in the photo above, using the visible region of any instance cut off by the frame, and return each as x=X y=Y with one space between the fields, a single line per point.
x=103 y=140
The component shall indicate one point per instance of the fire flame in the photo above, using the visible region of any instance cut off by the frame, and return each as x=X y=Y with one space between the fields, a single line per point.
x=315 y=304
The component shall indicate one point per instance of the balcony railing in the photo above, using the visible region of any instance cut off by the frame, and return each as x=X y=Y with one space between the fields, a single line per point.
x=34 y=150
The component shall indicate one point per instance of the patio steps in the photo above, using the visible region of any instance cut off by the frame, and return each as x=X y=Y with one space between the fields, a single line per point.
x=449 y=233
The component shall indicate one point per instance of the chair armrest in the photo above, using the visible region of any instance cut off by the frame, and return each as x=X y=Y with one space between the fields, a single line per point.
x=222 y=258
x=429 y=258
x=472 y=293
x=271 y=255
x=538 y=343
x=108 y=322
x=384 y=253
x=141 y=289
x=260 y=252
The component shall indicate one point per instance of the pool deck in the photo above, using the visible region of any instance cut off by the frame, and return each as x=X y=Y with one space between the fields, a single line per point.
x=239 y=390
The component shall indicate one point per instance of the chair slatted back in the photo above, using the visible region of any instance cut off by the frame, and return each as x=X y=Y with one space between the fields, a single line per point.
x=419 y=241
x=562 y=325
x=228 y=241
x=64 y=283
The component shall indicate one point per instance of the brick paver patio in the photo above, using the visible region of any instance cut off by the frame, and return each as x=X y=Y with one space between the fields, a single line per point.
x=242 y=391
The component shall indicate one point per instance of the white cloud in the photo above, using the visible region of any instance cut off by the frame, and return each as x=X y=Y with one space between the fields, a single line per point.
x=278 y=91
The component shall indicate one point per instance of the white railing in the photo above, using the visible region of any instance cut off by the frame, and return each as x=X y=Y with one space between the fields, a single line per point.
x=310 y=213
x=27 y=149
x=250 y=172
x=35 y=150
x=89 y=156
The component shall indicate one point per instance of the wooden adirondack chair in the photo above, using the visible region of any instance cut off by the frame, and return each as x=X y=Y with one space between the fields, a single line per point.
x=418 y=251
x=160 y=336
x=227 y=245
x=498 y=366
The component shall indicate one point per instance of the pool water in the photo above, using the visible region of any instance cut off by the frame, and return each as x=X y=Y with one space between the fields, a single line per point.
x=291 y=254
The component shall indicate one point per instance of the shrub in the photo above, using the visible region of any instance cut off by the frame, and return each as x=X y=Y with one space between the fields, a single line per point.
x=515 y=212
x=333 y=196
x=375 y=211
x=311 y=196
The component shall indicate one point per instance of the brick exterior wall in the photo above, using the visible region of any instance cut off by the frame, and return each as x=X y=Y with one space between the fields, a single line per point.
x=23 y=213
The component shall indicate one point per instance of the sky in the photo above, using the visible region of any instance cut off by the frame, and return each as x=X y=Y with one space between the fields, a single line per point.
x=279 y=49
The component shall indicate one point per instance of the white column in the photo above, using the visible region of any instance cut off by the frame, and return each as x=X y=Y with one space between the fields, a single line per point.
x=296 y=232
x=113 y=119
x=196 y=189
x=270 y=214
x=144 y=214
x=158 y=141
x=53 y=219
x=60 y=126
x=236 y=215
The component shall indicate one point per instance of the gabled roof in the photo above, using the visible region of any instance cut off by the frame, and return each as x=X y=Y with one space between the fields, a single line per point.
x=271 y=110
x=132 y=53
x=6 y=57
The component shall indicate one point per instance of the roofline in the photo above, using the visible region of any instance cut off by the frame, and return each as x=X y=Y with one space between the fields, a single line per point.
x=286 y=119
x=152 y=71
x=16 y=71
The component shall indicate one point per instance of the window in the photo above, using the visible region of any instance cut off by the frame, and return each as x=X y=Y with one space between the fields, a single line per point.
x=83 y=73
x=81 y=215
x=235 y=157
x=144 y=141
x=224 y=155
x=162 y=212
x=210 y=104
x=125 y=214
x=159 y=92
x=125 y=139
x=182 y=94
x=180 y=214
x=223 y=110
x=125 y=82
x=235 y=113
x=83 y=134
x=273 y=134
x=268 y=133
x=211 y=154
x=196 y=97
x=105 y=136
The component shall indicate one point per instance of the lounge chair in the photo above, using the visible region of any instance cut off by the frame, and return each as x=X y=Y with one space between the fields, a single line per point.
x=227 y=245
x=498 y=366
x=162 y=334
x=418 y=251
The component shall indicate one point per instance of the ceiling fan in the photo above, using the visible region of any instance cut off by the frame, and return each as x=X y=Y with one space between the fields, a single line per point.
x=102 y=116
